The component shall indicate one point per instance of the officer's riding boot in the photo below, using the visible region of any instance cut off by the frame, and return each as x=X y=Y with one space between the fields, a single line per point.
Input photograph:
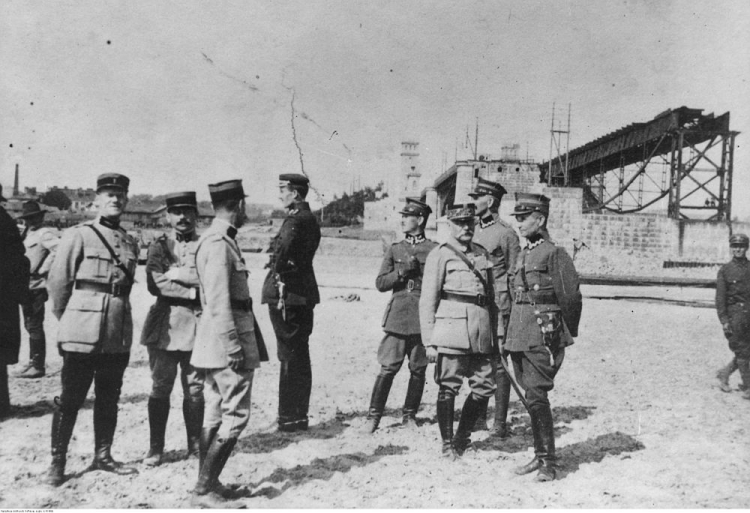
x=377 y=402
x=548 y=468
x=413 y=399
x=37 y=355
x=206 y=438
x=445 y=406
x=192 y=412
x=473 y=408
x=62 y=429
x=158 y=414
x=287 y=402
x=536 y=431
x=502 y=398
x=744 y=366
x=481 y=422
x=205 y=494
x=105 y=424
x=723 y=375
x=4 y=392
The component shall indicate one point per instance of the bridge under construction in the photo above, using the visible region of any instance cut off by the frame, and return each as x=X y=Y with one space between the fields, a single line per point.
x=682 y=159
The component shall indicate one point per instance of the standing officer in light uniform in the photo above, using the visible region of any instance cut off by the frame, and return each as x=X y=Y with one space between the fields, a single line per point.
x=401 y=271
x=89 y=285
x=543 y=321
x=291 y=292
x=41 y=244
x=733 y=307
x=169 y=329
x=456 y=322
x=497 y=237
x=227 y=341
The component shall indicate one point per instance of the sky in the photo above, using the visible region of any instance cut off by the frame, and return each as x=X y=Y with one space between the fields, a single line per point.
x=179 y=94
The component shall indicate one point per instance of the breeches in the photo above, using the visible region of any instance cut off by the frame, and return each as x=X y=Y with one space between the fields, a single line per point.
x=33 y=313
x=163 y=366
x=227 y=400
x=395 y=348
x=105 y=370
x=479 y=369
x=739 y=341
x=536 y=373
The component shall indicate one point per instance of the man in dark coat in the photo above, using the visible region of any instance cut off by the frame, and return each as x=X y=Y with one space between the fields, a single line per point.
x=14 y=287
x=733 y=307
x=543 y=321
x=291 y=293
x=401 y=272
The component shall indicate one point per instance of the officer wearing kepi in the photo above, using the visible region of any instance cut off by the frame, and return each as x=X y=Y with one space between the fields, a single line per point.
x=170 y=326
x=733 y=307
x=89 y=285
x=543 y=321
x=455 y=315
x=41 y=244
x=401 y=272
x=497 y=237
x=228 y=344
x=291 y=292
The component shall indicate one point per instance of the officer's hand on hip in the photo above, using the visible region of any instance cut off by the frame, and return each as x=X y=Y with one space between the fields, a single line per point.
x=727 y=329
x=237 y=360
x=432 y=354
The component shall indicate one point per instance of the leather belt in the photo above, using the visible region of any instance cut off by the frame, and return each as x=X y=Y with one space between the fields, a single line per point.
x=411 y=286
x=476 y=299
x=242 y=304
x=116 y=289
x=178 y=301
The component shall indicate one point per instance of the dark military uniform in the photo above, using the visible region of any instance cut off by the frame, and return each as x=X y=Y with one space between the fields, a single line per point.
x=401 y=272
x=733 y=308
x=501 y=241
x=455 y=317
x=14 y=283
x=543 y=321
x=89 y=285
x=291 y=292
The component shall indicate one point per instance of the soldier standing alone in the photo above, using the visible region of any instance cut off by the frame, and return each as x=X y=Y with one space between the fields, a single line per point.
x=543 y=321
x=401 y=271
x=41 y=244
x=733 y=307
x=497 y=237
x=170 y=326
x=456 y=321
x=291 y=292
x=89 y=284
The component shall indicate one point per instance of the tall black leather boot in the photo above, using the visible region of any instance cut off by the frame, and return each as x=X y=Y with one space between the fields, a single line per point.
x=472 y=409
x=744 y=366
x=413 y=398
x=536 y=431
x=37 y=357
x=377 y=402
x=723 y=375
x=105 y=423
x=445 y=406
x=62 y=429
x=502 y=399
x=205 y=494
x=158 y=414
x=4 y=392
x=192 y=412
x=548 y=468
x=287 y=400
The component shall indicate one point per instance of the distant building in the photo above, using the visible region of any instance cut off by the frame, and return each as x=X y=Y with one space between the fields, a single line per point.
x=81 y=199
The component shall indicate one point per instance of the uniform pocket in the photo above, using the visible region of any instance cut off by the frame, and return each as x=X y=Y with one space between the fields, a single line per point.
x=82 y=320
x=96 y=264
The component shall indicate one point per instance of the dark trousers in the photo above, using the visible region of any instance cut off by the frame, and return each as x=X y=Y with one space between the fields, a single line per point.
x=164 y=365
x=106 y=372
x=535 y=371
x=33 y=319
x=293 y=349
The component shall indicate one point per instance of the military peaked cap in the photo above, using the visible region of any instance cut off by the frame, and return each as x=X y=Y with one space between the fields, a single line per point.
x=460 y=212
x=181 y=199
x=488 y=187
x=415 y=208
x=30 y=209
x=527 y=203
x=114 y=180
x=293 y=179
x=739 y=239
x=226 y=190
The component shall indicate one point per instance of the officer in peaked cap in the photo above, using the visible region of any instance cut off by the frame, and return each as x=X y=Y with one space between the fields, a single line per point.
x=170 y=326
x=89 y=285
x=455 y=316
x=291 y=292
x=228 y=344
x=497 y=237
x=543 y=321
x=401 y=272
x=41 y=245
x=733 y=307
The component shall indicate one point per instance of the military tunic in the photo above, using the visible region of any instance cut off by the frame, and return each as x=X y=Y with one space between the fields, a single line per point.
x=733 y=304
x=41 y=245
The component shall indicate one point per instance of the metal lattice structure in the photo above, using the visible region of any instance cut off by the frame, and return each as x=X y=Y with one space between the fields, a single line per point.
x=682 y=160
